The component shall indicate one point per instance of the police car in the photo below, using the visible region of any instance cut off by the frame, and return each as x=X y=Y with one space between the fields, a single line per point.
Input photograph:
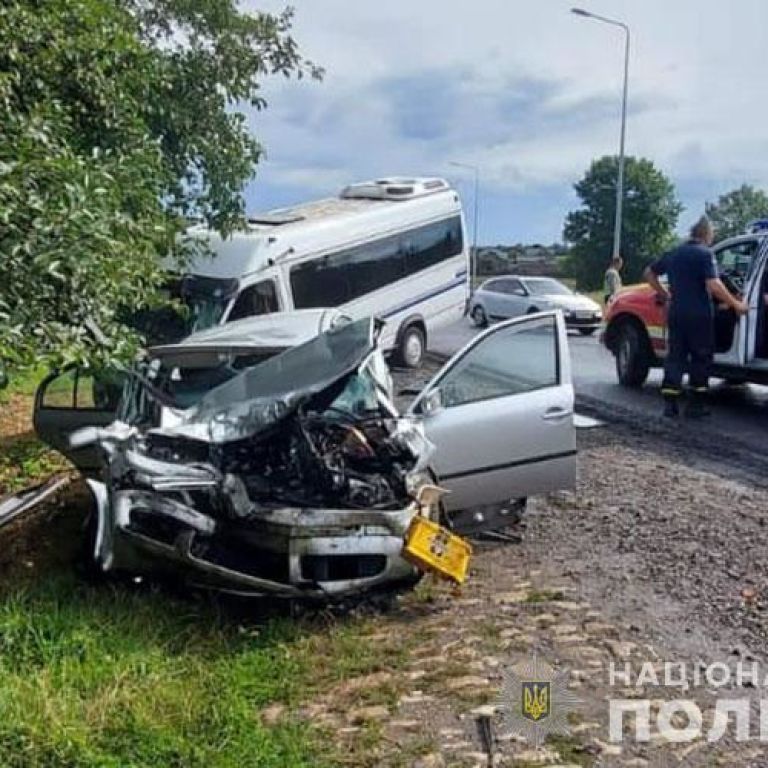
x=635 y=328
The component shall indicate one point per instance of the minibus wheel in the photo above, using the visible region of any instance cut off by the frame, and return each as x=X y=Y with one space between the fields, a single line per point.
x=410 y=350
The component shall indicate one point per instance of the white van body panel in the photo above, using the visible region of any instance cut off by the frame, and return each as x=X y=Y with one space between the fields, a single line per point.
x=276 y=242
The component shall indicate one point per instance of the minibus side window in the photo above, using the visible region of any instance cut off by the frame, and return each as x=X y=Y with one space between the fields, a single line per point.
x=336 y=278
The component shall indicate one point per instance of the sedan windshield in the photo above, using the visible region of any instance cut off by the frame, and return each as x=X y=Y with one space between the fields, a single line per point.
x=546 y=286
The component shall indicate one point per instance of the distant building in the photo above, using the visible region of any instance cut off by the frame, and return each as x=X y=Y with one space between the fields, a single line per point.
x=523 y=259
x=493 y=261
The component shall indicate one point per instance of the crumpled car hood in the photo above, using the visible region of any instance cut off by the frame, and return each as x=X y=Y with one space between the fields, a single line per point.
x=261 y=396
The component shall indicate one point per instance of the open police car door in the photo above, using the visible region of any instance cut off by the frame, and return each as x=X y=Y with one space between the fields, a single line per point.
x=500 y=414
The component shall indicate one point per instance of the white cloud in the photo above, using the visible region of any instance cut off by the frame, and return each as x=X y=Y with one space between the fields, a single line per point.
x=522 y=88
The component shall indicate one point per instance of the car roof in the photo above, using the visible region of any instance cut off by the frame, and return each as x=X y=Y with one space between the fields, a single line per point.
x=275 y=331
x=740 y=239
x=524 y=278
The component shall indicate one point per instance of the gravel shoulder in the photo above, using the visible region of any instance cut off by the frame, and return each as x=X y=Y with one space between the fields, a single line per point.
x=658 y=556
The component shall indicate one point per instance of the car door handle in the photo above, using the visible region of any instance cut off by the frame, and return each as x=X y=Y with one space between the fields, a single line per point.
x=556 y=414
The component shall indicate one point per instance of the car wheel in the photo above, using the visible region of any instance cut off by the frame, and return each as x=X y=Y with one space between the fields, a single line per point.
x=532 y=310
x=587 y=331
x=632 y=359
x=478 y=317
x=410 y=351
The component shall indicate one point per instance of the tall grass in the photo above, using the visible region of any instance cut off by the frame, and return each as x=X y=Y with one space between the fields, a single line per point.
x=114 y=677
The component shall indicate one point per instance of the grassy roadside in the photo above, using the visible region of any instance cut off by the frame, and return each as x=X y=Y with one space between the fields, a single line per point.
x=125 y=675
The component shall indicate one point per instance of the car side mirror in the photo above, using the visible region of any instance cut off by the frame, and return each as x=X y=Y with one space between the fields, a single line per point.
x=432 y=402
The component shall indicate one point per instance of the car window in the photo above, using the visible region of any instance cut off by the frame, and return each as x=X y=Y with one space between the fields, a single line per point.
x=519 y=358
x=492 y=285
x=257 y=299
x=546 y=286
x=60 y=392
x=737 y=258
x=514 y=287
x=81 y=389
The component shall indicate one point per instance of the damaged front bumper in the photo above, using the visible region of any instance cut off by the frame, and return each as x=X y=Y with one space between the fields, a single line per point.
x=291 y=552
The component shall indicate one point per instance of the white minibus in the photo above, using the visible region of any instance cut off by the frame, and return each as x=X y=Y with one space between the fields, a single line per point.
x=393 y=248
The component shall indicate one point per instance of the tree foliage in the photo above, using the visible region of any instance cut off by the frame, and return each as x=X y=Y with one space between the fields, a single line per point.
x=650 y=214
x=119 y=120
x=734 y=211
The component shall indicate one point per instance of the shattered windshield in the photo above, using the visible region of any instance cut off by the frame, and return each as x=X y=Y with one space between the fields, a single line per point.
x=261 y=395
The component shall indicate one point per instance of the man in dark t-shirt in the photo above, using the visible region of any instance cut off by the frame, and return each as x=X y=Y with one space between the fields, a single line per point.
x=691 y=270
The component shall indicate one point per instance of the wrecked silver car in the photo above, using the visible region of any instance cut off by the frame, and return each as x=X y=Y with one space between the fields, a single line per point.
x=262 y=470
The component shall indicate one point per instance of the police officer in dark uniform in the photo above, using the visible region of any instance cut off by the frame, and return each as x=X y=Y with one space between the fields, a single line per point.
x=691 y=270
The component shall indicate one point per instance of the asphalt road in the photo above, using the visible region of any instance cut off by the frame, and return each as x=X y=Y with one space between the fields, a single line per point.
x=740 y=414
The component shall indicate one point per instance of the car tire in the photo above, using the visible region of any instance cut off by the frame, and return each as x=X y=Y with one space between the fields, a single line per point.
x=479 y=317
x=632 y=358
x=532 y=310
x=411 y=348
x=587 y=331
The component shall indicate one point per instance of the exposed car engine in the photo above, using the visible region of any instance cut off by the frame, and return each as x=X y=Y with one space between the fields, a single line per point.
x=308 y=460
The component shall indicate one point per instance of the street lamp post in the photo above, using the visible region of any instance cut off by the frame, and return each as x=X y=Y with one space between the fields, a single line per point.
x=475 y=215
x=620 y=180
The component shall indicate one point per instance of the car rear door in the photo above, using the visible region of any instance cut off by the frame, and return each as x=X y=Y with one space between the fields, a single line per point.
x=74 y=398
x=500 y=414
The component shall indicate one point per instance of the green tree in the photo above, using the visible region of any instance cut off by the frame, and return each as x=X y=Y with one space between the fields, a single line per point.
x=120 y=119
x=650 y=214
x=734 y=211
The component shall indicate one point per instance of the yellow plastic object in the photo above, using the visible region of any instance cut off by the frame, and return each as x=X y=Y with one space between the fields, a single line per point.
x=431 y=547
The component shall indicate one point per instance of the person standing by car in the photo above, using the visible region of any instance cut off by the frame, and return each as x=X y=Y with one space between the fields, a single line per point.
x=691 y=270
x=612 y=279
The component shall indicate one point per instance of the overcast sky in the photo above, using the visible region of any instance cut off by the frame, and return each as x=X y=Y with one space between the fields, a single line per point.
x=523 y=89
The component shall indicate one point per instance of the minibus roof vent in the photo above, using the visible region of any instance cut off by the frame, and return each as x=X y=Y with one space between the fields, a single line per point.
x=394 y=188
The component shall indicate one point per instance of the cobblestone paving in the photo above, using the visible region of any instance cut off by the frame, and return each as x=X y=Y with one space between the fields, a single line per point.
x=634 y=567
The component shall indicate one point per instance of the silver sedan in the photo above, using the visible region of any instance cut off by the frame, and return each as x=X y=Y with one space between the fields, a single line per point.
x=511 y=296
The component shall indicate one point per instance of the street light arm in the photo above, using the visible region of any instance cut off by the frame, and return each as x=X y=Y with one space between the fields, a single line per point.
x=590 y=15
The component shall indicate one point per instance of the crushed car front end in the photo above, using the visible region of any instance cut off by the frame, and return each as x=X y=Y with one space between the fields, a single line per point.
x=295 y=477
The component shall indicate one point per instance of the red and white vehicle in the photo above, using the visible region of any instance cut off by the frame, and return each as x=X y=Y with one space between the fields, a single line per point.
x=635 y=329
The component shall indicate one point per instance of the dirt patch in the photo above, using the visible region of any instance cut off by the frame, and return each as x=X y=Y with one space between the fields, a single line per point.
x=15 y=416
x=47 y=538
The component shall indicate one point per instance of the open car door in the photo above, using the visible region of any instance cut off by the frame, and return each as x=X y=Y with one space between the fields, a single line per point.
x=71 y=399
x=500 y=414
